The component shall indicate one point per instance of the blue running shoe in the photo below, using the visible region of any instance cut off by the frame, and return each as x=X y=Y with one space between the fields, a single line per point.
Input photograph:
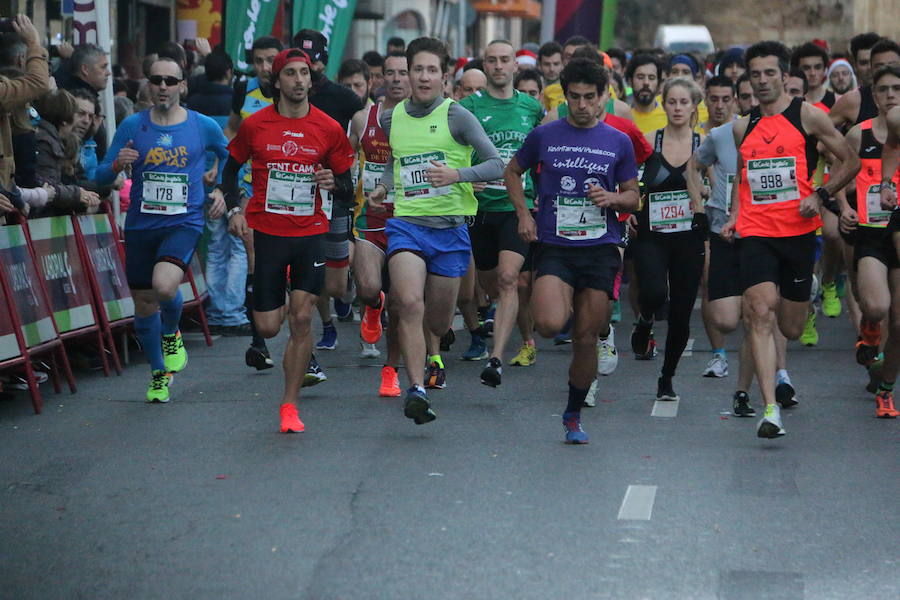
x=574 y=433
x=329 y=338
x=477 y=349
x=343 y=310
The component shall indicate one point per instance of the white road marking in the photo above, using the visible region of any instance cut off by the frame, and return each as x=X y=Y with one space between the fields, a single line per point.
x=665 y=408
x=637 y=505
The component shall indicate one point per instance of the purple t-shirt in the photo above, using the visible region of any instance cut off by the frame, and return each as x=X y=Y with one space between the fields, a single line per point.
x=566 y=160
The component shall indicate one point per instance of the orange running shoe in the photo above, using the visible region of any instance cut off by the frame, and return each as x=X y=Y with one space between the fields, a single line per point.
x=290 y=422
x=884 y=405
x=390 y=383
x=370 y=327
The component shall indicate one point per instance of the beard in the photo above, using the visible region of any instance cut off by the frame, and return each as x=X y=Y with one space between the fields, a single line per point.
x=644 y=97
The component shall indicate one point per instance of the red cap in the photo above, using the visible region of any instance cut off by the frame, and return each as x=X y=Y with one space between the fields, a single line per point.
x=607 y=61
x=289 y=55
x=821 y=44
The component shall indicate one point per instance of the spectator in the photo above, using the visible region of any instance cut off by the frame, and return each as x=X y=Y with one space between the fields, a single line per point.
x=124 y=109
x=84 y=129
x=213 y=95
x=89 y=71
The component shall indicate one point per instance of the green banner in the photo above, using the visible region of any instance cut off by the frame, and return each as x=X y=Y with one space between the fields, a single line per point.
x=333 y=19
x=246 y=20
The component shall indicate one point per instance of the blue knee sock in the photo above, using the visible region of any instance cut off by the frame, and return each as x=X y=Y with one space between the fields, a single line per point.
x=170 y=311
x=148 y=330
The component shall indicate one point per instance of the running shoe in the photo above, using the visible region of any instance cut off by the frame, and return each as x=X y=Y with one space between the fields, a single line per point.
x=572 y=425
x=390 y=383
x=159 y=387
x=477 y=349
x=417 y=408
x=664 y=389
x=370 y=327
x=591 y=398
x=258 y=358
x=884 y=405
x=175 y=357
x=447 y=340
x=810 y=337
x=20 y=382
x=314 y=373
x=328 y=341
x=290 y=421
x=770 y=425
x=492 y=372
x=865 y=354
x=831 y=304
x=436 y=379
x=875 y=375
x=343 y=310
x=616 y=312
x=740 y=406
x=563 y=337
x=526 y=357
x=607 y=356
x=716 y=367
x=368 y=350
x=785 y=395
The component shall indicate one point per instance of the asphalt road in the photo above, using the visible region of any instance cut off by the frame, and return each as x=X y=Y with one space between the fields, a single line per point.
x=104 y=496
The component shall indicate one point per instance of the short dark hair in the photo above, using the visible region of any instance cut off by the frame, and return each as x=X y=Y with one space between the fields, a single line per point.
x=217 y=66
x=119 y=85
x=431 y=45
x=807 y=50
x=885 y=45
x=395 y=54
x=721 y=81
x=529 y=75
x=587 y=52
x=863 y=41
x=583 y=70
x=12 y=46
x=56 y=107
x=83 y=94
x=548 y=49
x=396 y=41
x=475 y=63
x=85 y=54
x=744 y=78
x=885 y=70
x=618 y=54
x=174 y=51
x=769 y=48
x=373 y=58
x=799 y=74
x=639 y=60
x=578 y=40
x=351 y=67
x=266 y=42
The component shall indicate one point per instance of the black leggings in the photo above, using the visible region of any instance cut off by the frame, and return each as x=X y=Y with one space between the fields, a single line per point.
x=669 y=265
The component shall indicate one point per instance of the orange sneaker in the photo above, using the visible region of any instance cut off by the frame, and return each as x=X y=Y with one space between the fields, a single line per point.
x=370 y=327
x=884 y=405
x=390 y=383
x=290 y=422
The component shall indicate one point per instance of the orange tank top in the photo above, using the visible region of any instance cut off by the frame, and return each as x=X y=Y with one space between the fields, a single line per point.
x=779 y=161
x=868 y=180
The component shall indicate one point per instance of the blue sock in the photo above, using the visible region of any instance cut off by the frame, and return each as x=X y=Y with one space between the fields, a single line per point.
x=170 y=312
x=721 y=352
x=148 y=333
x=576 y=399
x=781 y=376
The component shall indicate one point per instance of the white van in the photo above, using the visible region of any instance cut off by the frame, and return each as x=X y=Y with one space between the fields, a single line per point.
x=684 y=38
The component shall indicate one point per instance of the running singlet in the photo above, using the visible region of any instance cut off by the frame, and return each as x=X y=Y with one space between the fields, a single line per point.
x=779 y=159
x=374 y=152
x=826 y=102
x=868 y=180
x=867 y=108
x=285 y=152
x=667 y=206
x=506 y=122
x=570 y=159
x=167 y=177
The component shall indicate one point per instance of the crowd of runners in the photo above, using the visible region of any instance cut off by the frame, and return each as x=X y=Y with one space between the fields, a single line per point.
x=520 y=189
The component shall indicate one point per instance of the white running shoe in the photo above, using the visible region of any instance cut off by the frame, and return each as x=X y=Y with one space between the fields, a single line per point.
x=770 y=425
x=591 y=398
x=368 y=350
x=607 y=357
x=716 y=367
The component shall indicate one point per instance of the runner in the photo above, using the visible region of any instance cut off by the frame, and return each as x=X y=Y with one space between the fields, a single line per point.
x=668 y=249
x=876 y=265
x=812 y=59
x=644 y=75
x=856 y=106
x=431 y=140
x=778 y=211
x=507 y=116
x=720 y=101
x=581 y=161
x=297 y=152
x=550 y=65
x=164 y=147
x=369 y=258
x=746 y=99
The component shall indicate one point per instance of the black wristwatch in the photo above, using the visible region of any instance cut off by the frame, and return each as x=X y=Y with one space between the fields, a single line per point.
x=823 y=194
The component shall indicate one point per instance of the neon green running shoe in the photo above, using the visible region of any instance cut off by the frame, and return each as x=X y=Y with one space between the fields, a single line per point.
x=159 y=387
x=831 y=304
x=526 y=357
x=174 y=355
x=810 y=337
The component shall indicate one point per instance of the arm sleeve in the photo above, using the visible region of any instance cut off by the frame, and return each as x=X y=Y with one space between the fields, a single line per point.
x=229 y=185
x=36 y=81
x=105 y=174
x=215 y=141
x=240 y=93
x=239 y=147
x=466 y=130
x=344 y=192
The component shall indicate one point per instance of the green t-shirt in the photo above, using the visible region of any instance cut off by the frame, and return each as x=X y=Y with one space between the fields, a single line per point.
x=506 y=123
x=562 y=111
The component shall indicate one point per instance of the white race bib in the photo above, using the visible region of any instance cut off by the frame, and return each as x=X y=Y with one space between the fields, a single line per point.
x=506 y=155
x=373 y=173
x=773 y=180
x=729 y=188
x=291 y=193
x=412 y=176
x=877 y=216
x=327 y=204
x=579 y=219
x=164 y=193
x=670 y=212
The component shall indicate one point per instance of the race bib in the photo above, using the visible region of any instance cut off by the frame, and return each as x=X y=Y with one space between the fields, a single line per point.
x=412 y=176
x=506 y=154
x=164 y=193
x=670 y=212
x=291 y=194
x=579 y=219
x=773 y=180
x=729 y=188
x=876 y=215
x=327 y=204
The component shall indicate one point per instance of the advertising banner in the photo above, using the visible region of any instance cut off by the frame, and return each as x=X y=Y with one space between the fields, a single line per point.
x=333 y=18
x=246 y=20
x=578 y=17
x=34 y=314
x=9 y=345
x=106 y=262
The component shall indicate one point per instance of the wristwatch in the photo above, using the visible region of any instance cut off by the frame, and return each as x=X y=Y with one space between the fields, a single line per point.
x=823 y=194
x=232 y=212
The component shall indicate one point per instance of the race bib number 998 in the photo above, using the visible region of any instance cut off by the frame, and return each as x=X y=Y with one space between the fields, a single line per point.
x=773 y=180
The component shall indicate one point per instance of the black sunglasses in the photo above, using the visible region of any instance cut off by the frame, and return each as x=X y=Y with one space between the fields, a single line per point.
x=158 y=79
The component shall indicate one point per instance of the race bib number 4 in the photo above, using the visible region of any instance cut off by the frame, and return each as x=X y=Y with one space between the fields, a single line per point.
x=412 y=176
x=773 y=180
x=506 y=154
x=164 y=193
x=579 y=219
x=876 y=215
x=670 y=212
x=291 y=193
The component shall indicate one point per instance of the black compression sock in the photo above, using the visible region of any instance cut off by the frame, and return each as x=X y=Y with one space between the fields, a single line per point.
x=576 y=399
x=257 y=340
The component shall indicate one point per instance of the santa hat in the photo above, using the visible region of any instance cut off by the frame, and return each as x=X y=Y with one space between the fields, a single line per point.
x=526 y=58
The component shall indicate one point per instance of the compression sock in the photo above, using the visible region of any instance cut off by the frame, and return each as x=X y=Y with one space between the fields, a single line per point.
x=257 y=340
x=436 y=358
x=149 y=334
x=170 y=313
x=576 y=399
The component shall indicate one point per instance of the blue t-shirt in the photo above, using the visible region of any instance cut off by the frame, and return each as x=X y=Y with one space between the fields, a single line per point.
x=170 y=166
x=567 y=159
